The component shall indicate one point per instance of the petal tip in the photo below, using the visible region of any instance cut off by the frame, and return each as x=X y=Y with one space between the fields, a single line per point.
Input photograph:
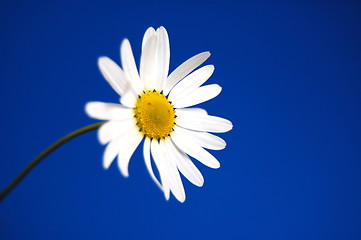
x=230 y=126
x=124 y=43
x=86 y=108
x=124 y=172
x=216 y=166
x=162 y=28
x=102 y=59
x=90 y=109
x=200 y=183
x=101 y=139
x=105 y=165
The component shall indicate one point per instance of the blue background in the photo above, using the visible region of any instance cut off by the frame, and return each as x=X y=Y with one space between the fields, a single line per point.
x=290 y=74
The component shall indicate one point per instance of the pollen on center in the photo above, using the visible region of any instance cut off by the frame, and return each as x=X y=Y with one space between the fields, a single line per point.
x=155 y=115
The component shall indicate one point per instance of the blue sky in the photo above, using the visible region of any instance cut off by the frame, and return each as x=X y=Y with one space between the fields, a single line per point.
x=291 y=81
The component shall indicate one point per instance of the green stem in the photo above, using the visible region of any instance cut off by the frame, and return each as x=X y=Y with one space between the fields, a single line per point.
x=45 y=153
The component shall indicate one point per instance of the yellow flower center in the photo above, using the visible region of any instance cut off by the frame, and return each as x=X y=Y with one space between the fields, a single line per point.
x=154 y=114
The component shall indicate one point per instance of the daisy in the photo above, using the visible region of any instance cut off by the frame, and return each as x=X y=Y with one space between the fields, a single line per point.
x=156 y=107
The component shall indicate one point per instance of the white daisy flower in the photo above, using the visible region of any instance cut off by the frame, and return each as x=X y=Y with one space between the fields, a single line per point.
x=156 y=107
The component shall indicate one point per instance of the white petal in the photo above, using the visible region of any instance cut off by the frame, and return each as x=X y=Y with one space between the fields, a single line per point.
x=175 y=182
x=148 y=63
x=191 y=111
x=108 y=111
x=159 y=162
x=163 y=55
x=147 y=160
x=129 y=98
x=185 y=165
x=183 y=70
x=191 y=82
x=127 y=149
x=203 y=123
x=204 y=139
x=193 y=149
x=129 y=67
x=111 y=151
x=113 y=129
x=201 y=94
x=113 y=74
x=147 y=35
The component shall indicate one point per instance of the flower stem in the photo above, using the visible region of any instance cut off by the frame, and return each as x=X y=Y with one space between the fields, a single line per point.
x=45 y=153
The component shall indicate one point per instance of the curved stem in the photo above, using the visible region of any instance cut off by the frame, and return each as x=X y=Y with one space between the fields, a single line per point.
x=45 y=153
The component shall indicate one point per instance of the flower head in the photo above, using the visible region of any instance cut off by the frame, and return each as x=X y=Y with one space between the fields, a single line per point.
x=157 y=108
